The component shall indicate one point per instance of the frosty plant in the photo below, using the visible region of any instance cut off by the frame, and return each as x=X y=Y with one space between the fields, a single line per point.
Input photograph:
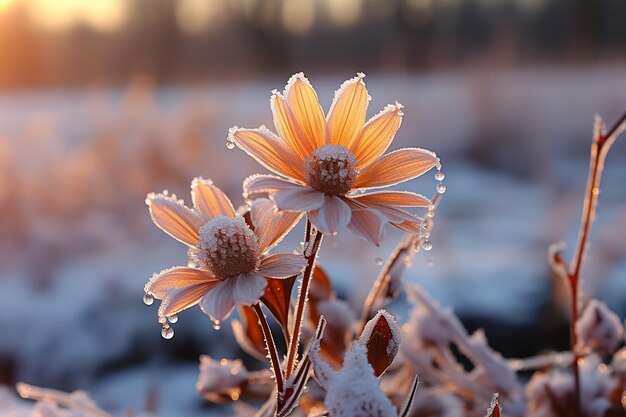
x=325 y=166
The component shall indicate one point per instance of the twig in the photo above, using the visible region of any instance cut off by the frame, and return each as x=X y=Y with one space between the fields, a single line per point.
x=311 y=248
x=380 y=288
x=600 y=147
x=271 y=348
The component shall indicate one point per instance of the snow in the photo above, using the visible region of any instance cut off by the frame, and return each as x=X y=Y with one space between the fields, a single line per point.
x=599 y=329
x=355 y=390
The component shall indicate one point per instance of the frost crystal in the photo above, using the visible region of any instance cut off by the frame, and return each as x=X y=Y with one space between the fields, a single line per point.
x=355 y=391
x=599 y=329
x=228 y=247
x=331 y=169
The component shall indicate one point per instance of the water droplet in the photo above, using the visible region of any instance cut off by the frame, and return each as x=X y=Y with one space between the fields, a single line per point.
x=441 y=188
x=427 y=245
x=379 y=261
x=167 y=332
x=439 y=175
x=230 y=144
x=173 y=318
x=217 y=325
x=430 y=213
x=148 y=299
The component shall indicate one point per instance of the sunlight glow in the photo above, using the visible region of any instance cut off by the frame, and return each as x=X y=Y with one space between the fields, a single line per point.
x=6 y=3
x=59 y=15
x=298 y=15
x=344 y=12
x=195 y=17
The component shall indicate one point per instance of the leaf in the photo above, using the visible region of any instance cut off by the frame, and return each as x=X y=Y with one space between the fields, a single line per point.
x=277 y=299
x=248 y=333
x=494 y=408
x=381 y=336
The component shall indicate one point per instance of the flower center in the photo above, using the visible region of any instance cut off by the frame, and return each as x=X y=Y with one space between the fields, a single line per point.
x=228 y=247
x=331 y=169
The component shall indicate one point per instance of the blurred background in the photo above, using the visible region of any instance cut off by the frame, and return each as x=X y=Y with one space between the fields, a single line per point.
x=103 y=101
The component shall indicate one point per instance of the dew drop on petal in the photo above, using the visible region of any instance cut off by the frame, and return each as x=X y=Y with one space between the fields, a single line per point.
x=379 y=261
x=217 y=325
x=427 y=245
x=167 y=332
x=172 y=319
x=439 y=175
x=441 y=188
x=430 y=213
x=148 y=299
x=230 y=144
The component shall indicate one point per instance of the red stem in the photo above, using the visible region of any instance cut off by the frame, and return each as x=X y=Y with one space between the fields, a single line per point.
x=303 y=296
x=271 y=348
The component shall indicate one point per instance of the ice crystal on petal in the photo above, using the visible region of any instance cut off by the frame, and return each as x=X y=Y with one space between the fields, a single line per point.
x=228 y=247
x=599 y=329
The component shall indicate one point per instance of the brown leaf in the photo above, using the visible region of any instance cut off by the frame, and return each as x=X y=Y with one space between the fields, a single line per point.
x=248 y=332
x=277 y=299
x=382 y=338
x=494 y=408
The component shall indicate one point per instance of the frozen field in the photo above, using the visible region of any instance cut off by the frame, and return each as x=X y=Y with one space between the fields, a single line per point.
x=514 y=146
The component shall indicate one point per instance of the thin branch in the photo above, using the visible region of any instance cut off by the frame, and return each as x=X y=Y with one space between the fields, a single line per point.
x=311 y=248
x=271 y=348
x=380 y=288
x=602 y=143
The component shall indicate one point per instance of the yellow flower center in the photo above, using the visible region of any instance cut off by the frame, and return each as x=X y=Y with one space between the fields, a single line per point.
x=228 y=247
x=331 y=169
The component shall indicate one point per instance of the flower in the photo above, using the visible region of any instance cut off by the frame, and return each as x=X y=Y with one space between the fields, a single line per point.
x=228 y=256
x=325 y=163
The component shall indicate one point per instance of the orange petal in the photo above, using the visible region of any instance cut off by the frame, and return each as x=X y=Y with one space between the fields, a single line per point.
x=168 y=281
x=288 y=128
x=171 y=216
x=396 y=167
x=415 y=228
x=209 y=200
x=395 y=198
x=180 y=288
x=269 y=150
x=366 y=223
x=282 y=265
x=346 y=116
x=263 y=183
x=377 y=135
x=307 y=111
x=270 y=225
x=332 y=216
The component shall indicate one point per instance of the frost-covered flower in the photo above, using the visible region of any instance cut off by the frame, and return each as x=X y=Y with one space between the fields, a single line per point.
x=326 y=163
x=228 y=256
x=599 y=329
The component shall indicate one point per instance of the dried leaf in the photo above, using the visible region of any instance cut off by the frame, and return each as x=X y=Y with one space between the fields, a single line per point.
x=494 y=408
x=381 y=336
x=277 y=299
x=248 y=333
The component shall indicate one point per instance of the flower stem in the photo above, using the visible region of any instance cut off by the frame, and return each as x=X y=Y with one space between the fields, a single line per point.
x=271 y=348
x=600 y=147
x=312 y=246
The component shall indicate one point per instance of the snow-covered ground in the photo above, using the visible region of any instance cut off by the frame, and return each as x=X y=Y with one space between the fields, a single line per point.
x=514 y=147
